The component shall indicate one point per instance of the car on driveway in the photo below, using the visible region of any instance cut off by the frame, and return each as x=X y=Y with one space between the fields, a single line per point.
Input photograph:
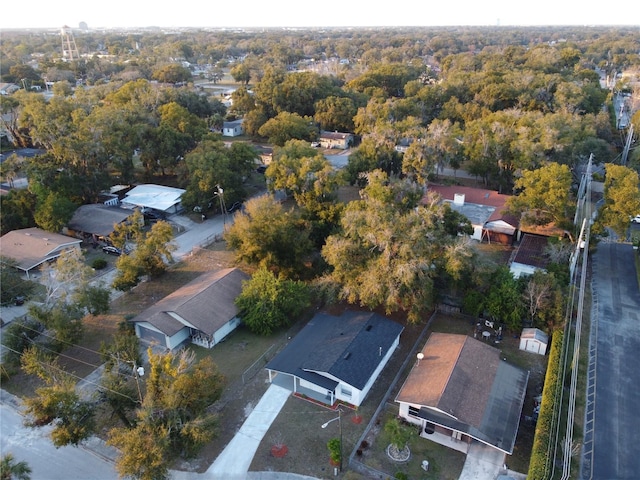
x=636 y=219
x=111 y=250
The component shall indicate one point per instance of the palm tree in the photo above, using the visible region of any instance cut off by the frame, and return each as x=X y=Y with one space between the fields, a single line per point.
x=10 y=470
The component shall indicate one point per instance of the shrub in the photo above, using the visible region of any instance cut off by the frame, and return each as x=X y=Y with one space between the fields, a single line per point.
x=398 y=432
x=99 y=264
x=364 y=444
x=335 y=452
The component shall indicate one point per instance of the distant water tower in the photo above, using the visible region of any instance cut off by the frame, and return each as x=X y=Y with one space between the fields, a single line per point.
x=69 y=48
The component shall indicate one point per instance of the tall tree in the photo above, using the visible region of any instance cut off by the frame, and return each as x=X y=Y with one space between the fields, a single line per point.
x=621 y=198
x=335 y=113
x=267 y=235
x=150 y=257
x=54 y=212
x=57 y=403
x=268 y=303
x=211 y=166
x=544 y=196
x=12 y=470
x=391 y=248
x=288 y=126
x=173 y=420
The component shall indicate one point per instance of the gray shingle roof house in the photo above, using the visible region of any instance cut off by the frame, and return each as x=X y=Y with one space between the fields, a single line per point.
x=202 y=312
x=97 y=220
x=31 y=247
x=461 y=389
x=233 y=129
x=336 y=357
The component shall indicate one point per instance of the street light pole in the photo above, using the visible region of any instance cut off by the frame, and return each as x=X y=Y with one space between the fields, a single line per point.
x=339 y=419
x=138 y=372
x=223 y=208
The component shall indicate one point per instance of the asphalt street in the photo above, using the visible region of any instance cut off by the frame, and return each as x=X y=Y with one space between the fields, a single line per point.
x=33 y=445
x=613 y=392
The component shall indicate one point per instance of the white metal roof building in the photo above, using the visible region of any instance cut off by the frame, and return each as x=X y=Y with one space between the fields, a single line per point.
x=158 y=197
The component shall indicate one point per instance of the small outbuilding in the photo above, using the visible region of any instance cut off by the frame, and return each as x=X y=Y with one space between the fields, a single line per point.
x=232 y=129
x=534 y=340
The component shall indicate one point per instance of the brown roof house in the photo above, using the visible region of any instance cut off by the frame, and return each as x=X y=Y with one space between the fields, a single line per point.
x=460 y=391
x=336 y=357
x=485 y=209
x=530 y=255
x=31 y=247
x=338 y=140
x=202 y=312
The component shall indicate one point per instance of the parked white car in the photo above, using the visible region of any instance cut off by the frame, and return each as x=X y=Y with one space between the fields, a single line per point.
x=636 y=219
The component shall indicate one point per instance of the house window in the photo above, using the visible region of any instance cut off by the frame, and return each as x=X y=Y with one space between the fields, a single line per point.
x=413 y=411
x=346 y=392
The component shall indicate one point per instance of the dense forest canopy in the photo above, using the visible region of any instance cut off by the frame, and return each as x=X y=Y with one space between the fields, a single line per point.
x=493 y=101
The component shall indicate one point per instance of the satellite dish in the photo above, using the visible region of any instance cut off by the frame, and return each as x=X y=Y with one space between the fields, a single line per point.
x=420 y=356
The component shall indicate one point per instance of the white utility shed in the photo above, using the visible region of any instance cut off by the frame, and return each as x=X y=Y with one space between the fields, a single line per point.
x=534 y=340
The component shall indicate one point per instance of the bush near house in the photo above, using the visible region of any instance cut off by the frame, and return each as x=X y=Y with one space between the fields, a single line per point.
x=540 y=461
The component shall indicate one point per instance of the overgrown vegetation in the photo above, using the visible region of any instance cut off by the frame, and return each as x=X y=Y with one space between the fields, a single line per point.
x=548 y=418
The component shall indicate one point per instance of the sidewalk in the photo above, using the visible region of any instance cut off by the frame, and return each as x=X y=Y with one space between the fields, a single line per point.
x=235 y=460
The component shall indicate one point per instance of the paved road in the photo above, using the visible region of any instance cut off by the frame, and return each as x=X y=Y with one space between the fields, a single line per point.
x=32 y=445
x=613 y=391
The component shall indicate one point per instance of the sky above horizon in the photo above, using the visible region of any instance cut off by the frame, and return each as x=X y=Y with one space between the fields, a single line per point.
x=330 y=13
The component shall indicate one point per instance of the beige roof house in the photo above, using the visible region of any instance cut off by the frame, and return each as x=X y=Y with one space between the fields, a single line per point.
x=462 y=389
x=337 y=140
x=202 y=312
x=31 y=247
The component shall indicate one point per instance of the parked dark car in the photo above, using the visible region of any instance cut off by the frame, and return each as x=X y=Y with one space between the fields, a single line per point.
x=150 y=216
x=261 y=169
x=110 y=250
x=234 y=207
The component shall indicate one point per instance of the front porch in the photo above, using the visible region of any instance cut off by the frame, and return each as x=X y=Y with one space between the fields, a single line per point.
x=288 y=382
x=201 y=339
x=446 y=440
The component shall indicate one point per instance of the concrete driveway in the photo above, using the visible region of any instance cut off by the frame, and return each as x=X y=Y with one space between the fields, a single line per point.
x=234 y=461
x=486 y=463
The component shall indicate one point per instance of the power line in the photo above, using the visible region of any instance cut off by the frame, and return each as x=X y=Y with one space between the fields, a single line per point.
x=70 y=344
x=53 y=351
x=99 y=386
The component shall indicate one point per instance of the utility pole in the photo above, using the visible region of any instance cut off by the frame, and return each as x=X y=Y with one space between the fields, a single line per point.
x=69 y=48
x=627 y=145
x=223 y=207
